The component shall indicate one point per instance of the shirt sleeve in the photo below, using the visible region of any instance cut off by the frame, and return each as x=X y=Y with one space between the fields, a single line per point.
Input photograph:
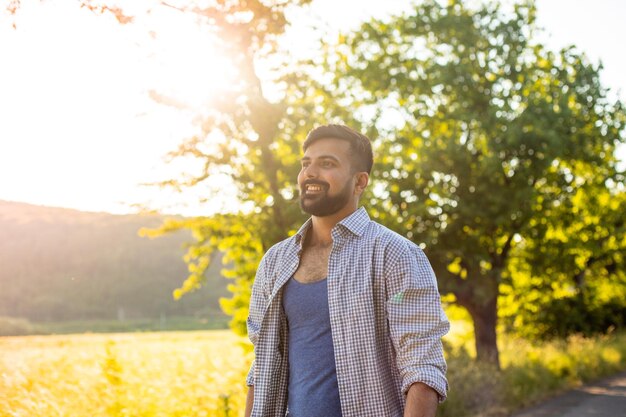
x=255 y=314
x=250 y=377
x=417 y=321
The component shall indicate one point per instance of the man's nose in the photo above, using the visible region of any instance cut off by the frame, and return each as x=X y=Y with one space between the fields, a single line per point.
x=310 y=171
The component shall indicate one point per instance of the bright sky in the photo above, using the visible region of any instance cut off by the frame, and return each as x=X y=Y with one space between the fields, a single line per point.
x=78 y=128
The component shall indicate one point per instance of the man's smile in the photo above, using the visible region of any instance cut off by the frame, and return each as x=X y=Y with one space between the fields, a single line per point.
x=313 y=189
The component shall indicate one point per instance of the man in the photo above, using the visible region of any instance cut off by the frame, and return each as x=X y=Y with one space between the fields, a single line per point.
x=345 y=315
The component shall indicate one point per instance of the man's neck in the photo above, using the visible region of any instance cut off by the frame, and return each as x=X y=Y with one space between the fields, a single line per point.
x=322 y=226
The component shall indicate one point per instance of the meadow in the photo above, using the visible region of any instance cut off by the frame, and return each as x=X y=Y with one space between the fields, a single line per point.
x=201 y=373
x=171 y=374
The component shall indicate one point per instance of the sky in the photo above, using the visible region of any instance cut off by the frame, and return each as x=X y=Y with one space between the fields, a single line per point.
x=79 y=127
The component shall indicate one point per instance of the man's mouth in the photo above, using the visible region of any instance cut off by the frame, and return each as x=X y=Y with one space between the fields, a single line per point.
x=311 y=189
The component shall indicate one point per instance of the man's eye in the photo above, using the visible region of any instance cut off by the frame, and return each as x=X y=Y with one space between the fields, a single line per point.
x=327 y=164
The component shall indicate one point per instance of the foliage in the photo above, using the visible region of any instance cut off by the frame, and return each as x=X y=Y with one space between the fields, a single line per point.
x=242 y=245
x=576 y=315
x=255 y=143
x=485 y=133
x=531 y=372
x=581 y=249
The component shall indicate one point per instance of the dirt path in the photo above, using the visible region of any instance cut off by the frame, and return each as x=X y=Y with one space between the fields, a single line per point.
x=605 y=398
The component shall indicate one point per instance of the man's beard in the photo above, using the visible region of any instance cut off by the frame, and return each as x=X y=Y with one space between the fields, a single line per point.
x=321 y=205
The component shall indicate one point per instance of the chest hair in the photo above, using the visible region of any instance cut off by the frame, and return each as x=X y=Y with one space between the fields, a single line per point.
x=313 y=263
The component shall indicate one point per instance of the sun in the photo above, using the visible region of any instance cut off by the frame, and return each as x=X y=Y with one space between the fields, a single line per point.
x=90 y=106
x=187 y=67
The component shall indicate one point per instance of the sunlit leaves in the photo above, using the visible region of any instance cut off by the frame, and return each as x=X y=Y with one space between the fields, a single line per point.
x=500 y=136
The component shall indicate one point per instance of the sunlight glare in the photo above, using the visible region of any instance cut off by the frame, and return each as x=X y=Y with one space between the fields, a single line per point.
x=80 y=124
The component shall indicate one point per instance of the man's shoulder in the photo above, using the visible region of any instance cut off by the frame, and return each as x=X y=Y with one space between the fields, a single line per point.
x=279 y=248
x=379 y=234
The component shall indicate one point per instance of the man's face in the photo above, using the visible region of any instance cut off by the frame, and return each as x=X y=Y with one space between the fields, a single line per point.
x=326 y=180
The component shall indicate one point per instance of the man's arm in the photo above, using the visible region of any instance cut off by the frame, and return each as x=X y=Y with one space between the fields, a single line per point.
x=255 y=317
x=250 y=401
x=421 y=401
x=416 y=324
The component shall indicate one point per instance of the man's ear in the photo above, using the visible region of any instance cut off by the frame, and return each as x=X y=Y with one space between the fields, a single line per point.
x=362 y=179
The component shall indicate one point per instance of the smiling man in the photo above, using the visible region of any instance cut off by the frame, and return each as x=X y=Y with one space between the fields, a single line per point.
x=345 y=315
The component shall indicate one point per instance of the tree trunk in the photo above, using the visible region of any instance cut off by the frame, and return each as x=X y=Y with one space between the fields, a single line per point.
x=485 y=318
x=484 y=313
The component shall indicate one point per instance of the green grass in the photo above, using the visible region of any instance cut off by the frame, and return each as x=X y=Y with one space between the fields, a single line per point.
x=531 y=372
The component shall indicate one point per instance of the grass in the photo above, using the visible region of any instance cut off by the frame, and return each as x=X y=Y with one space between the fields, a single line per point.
x=202 y=373
x=531 y=372
x=141 y=374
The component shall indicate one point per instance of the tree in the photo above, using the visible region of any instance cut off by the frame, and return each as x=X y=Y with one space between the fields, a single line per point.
x=485 y=128
x=482 y=130
x=245 y=136
x=256 y=143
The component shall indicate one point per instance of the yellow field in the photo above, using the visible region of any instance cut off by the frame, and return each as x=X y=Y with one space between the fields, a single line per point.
x=194 y=374
x=140 y=375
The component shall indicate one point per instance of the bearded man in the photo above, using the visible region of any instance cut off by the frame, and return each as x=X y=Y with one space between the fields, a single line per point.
x=345 y=316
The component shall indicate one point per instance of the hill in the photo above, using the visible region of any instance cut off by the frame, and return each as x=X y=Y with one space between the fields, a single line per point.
x=61 y=264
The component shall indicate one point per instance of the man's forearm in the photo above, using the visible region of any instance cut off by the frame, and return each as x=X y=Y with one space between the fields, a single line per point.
x=421 y=401
x=250 y=401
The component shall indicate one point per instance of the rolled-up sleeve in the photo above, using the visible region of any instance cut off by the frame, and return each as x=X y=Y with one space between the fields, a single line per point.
x=417 y=321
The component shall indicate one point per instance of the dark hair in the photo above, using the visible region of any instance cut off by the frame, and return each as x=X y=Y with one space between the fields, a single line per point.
x=360 y=145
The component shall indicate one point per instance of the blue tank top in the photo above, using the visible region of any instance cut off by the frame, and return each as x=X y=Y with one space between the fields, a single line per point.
x=313 y=389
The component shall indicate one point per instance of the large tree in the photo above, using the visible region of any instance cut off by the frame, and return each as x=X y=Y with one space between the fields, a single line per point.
x=255 y=142
x=485 y=129
x=243 y=136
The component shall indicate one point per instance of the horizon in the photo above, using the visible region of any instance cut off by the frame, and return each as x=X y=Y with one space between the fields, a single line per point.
x=45 y=206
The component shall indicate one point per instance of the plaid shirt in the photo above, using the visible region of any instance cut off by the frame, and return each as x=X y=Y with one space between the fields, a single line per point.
x=385 y=315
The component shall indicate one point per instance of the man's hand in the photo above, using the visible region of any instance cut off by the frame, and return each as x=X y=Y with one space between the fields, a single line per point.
x=250 y=401
x=421 y=401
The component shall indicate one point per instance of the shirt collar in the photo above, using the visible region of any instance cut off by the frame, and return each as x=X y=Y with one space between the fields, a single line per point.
x=355 y=223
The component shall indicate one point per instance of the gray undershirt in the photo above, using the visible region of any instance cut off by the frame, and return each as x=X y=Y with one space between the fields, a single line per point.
x=313 y=389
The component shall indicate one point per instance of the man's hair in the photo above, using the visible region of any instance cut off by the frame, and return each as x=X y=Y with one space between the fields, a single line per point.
x=360 y=146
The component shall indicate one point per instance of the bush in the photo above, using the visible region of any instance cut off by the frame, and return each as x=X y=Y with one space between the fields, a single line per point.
x=531 y=372
x=567 y=316
x=577 y=315
x=475 y=388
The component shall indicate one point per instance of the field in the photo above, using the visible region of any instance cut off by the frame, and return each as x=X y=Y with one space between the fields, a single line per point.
x=202 y=373
x=135 y=374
